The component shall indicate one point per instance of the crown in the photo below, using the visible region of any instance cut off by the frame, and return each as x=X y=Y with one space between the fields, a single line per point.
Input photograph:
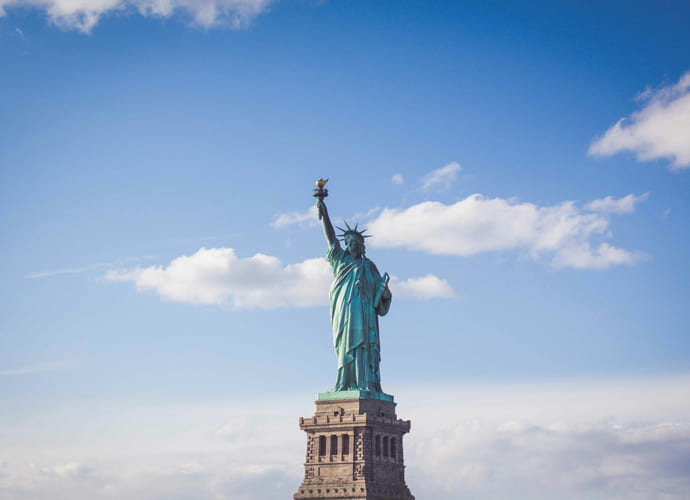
x=352 y=233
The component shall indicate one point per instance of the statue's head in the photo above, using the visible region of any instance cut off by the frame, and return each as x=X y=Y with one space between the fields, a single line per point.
x=354 y=240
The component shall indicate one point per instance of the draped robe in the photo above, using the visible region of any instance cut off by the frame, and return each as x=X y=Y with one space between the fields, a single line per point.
x=355 y=320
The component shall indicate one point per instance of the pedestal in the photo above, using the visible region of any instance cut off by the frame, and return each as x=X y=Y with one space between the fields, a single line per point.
x=354 y=450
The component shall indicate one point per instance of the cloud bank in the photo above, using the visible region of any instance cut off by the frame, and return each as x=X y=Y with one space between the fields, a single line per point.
x=659 y=130
x=477 y=224
x=601 y=439
x=625 y=439
x=218 y=276
x=84 y=15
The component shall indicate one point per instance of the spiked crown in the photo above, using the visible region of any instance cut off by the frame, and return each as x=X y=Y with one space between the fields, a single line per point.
x=352 y=233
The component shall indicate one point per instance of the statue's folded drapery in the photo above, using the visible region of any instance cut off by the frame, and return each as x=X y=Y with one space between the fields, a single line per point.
x=355 y=320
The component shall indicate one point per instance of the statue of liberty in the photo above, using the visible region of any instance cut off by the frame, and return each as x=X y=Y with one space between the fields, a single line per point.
x=358 y=296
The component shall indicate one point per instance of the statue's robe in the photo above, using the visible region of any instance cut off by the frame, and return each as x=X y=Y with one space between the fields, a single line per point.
x=355 y=320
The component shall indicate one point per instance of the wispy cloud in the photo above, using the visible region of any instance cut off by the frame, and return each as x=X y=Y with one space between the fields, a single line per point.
x=441 y=178
x=361 y=216
x=217 y=276
x=57 y=272
x=659 y=130
x=37 y=368
x=477 y=224
x=397 y=179
x=87 y=269
x=309 y=217
x=84 y=15
x=609 y=204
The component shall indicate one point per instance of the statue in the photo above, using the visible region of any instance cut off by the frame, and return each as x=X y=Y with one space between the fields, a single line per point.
x=358 y=296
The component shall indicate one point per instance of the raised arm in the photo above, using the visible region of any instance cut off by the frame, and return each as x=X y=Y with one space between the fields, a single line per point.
x=326 y=221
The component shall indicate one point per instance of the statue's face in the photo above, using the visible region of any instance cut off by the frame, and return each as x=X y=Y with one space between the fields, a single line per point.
x=355 y=247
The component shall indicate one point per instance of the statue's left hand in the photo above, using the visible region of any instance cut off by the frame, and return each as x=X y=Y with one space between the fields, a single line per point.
x=385 y=291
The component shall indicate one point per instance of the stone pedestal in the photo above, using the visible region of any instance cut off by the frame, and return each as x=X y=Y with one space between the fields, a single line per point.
x=354 y=451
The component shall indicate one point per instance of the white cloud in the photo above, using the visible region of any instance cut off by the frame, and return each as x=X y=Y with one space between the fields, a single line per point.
x=83 y=15
x=309 y=217
x=397 y=179
x=424 y=288
x=477 y=224
x=441 y=178
x=624 y=205
x=218 y=276
x=659 y=130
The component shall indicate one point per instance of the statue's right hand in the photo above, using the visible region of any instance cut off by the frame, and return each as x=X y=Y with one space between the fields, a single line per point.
x=321 y=207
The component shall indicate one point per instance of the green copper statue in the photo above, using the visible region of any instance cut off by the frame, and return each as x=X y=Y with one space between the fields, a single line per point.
x=358 y=296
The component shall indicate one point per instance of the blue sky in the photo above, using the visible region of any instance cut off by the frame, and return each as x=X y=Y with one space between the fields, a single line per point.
x=159 y=252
